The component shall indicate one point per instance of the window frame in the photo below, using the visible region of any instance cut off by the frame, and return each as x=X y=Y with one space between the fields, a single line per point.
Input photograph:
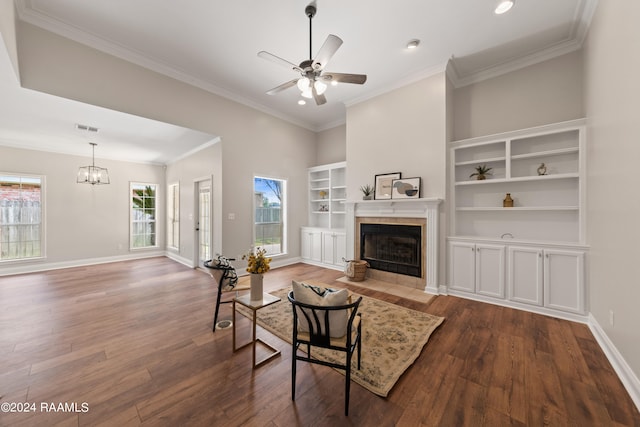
x=133 y=221
x=283 y=214
x=173 y=216
x=42 y=223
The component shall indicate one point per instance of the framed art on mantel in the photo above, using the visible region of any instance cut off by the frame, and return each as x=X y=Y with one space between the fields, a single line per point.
x=406 y=188
x=383 y=185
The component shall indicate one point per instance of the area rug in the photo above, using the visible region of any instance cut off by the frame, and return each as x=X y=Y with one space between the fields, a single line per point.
x=392 y=338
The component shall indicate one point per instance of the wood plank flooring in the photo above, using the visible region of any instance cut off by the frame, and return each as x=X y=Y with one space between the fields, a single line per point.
x=132 y=341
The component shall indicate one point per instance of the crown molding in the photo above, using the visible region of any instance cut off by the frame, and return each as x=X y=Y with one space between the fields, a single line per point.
x=578 y=33
x=411 y=78
x=199 y=148
x=34 y=17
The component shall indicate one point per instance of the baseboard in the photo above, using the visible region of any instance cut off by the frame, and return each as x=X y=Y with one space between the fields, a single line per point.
x=38 y=266
x=177 y=258
x=626 y=375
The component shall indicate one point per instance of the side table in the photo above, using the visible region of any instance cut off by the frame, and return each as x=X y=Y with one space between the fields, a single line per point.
x=254 y=306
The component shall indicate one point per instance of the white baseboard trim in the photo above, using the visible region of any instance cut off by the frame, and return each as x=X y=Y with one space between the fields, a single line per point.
x=177 y=258
x=38 y=266
x=622 y=368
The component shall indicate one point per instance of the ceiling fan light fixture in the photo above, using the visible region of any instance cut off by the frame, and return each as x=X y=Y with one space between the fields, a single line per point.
x=320 y=87
x=504 y=6
x=304 y=83
x=307 y=93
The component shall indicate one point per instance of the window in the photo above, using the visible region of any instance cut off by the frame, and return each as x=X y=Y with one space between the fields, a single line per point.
x=143 y=215
x=21 y=235
x=173 y=216
x=270 y=219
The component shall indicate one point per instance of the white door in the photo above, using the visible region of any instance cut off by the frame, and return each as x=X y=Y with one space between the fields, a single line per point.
x=204 y=232
x=490 y=270
x=525 y=275
x=564 y=280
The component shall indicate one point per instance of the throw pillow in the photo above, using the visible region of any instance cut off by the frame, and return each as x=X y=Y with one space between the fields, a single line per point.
x=317 y=295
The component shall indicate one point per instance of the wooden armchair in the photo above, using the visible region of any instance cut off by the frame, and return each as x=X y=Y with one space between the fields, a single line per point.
x=336 y=327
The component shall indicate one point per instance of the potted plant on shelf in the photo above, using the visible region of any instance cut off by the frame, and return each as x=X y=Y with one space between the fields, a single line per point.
x=481 y=172
x=367 y=192
x=257 y=265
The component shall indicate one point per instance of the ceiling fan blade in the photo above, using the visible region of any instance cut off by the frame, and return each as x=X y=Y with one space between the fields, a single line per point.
x=273 y=58
x=320 y=99
x=282 y=87
x=328 y=49
x=345 y=78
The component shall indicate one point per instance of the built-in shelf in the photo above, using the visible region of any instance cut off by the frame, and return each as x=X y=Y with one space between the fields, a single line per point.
x=517 y=209
x=327 y=193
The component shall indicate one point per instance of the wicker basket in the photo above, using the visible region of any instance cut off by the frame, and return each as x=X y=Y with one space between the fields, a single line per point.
x=359 y=270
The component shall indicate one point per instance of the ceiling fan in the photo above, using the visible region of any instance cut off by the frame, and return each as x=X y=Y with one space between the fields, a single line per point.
x=314 y=81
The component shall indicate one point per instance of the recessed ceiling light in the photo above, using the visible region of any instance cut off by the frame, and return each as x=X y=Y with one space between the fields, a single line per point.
x=504 y=6
x=302 y=102
x=412 y=44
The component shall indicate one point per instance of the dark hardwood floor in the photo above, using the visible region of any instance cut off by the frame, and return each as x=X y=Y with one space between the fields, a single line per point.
x=130 y=344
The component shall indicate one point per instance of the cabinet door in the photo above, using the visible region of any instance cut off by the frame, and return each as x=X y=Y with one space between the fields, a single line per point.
x=328 y=248
x=311 y=245
x=564 y=280
x=490 y=270
x=341 y=248
x=525 y=275
x=462 y=266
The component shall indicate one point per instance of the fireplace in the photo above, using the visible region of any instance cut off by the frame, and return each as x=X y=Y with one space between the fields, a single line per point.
x=394 y=248
x=422 y=213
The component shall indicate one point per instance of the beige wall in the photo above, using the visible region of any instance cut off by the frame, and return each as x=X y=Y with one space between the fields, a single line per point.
x=332 y=145
x=543 y=93
x=84 y=222
x=8 y=31
x=612 y=91
x=253 y=143
x=400 y=131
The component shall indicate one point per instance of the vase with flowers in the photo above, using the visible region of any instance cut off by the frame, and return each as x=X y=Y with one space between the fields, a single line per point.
x=257 y=265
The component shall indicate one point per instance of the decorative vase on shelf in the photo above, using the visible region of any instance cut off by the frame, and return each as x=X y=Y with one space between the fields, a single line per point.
x=508 y=201
x=256 y=286
x=542 y=169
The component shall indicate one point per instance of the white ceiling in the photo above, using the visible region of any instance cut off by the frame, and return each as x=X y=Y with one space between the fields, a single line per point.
x=214 y=45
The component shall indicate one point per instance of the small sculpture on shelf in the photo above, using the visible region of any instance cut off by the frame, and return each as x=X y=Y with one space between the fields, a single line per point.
x=542 y=169
x=481 y=172
x=324 y=208
x=322 y=194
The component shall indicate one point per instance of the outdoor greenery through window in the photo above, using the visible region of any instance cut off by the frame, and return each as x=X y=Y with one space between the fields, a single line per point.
x=173 y=216
x=269 y=218
x=20 y=217
x=143 y=215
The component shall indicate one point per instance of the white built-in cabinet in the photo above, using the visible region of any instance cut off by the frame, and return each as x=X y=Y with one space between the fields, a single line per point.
x=323 y=240
x=479 y=268
x=539 y=243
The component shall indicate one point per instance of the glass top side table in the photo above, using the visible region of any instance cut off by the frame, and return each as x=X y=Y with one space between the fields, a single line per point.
x=254 y=306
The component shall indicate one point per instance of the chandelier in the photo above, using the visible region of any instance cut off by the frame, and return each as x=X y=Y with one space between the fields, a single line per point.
x=93 y=174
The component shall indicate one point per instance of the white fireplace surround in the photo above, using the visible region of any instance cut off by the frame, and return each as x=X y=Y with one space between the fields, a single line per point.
x=400 y=208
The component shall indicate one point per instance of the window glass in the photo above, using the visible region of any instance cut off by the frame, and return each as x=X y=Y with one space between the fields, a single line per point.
x=143 y=215
x=21 y=235
x=269 y=218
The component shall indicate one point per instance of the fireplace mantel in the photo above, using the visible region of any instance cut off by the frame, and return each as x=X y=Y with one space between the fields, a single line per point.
x=400 y=208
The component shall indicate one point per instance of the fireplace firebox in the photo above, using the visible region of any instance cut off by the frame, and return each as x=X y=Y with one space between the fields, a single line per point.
x=392 y=247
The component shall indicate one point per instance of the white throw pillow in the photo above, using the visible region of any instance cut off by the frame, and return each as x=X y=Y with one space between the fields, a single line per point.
x=317 y=295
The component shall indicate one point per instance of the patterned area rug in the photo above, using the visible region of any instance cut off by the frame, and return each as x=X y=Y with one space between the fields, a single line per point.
x=392 y=338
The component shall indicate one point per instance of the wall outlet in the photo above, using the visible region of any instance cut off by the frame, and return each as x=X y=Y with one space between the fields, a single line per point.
x=611 y=317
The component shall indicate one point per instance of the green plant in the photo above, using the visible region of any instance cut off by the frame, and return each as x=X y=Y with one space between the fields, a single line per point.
x=367 y=190
x=481 y=172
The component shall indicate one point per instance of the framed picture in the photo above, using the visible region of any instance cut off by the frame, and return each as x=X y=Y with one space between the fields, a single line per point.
x=406 y=188
x=383 y=185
